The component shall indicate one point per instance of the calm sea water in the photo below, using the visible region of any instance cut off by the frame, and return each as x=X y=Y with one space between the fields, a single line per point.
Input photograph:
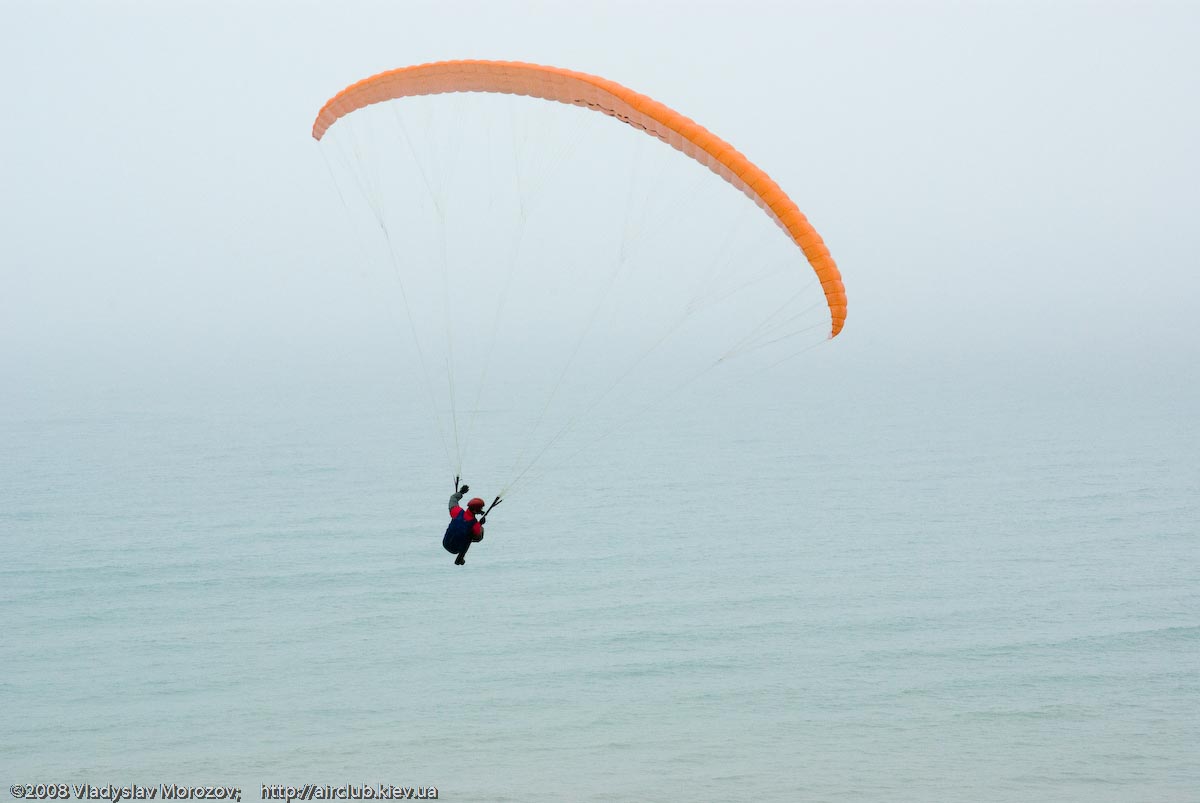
x=912 y=589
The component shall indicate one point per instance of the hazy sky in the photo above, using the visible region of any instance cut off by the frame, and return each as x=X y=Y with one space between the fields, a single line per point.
x=1009 y=181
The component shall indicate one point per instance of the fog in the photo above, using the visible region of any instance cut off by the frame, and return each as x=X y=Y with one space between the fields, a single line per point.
x=1004 y=186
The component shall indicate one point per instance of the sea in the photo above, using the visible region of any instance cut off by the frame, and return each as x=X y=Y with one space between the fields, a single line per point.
x=892 y=582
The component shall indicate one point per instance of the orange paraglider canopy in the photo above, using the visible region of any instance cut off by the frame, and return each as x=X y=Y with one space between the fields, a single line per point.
x=609 y=97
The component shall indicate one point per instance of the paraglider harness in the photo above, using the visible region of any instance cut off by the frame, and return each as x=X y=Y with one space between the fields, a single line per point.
x=458 y=536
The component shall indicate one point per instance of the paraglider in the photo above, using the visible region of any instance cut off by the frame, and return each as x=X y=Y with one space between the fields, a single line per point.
x=466 y=525
x=419 y=190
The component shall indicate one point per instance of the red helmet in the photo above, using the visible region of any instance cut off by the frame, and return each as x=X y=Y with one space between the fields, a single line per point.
x=475 y=505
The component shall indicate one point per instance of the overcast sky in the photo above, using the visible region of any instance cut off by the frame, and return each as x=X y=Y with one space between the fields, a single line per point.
x=1013 y=181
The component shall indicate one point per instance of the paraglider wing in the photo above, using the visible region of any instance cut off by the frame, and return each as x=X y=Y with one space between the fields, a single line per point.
x=614 y=100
